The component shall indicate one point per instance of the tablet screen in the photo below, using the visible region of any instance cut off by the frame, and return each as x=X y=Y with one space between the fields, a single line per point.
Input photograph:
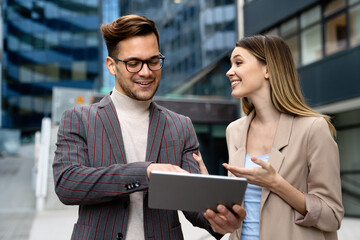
x=194 y=192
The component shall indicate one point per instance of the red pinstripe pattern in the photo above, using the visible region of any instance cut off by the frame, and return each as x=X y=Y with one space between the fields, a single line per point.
x=110 y=154
x=83 y=227
x=123 y=221
x=174 y=123
x=167 y=153
x=96 y=191
x=97 y=224
x=151 y=118
x=75 y=181
x=88 y=127
x=61 y=150
x=113 y=174
x=96 y=115
x=161 y=231
x=89 y=222
x=106 y=223
x=113 y=229
x=75 y=198
x=117 y=140
x=102 y=147
x=172 y=139
x=85 y=176
x=168 y=223
x=83 y=144
x=187 y=120
x=186 y=156
x=152 y=224
x=152 y=145
x=182 y=127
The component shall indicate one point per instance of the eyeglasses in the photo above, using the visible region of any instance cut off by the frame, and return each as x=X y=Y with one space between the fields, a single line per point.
x=135 y=65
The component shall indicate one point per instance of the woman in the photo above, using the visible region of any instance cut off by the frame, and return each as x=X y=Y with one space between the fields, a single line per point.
x=284 y=148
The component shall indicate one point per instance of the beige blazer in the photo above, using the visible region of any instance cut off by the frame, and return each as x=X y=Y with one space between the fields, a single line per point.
x=305 y=154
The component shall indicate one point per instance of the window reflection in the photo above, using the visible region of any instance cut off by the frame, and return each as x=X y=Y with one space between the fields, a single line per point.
x=334 y=6
x=355 y=25
x=293 y=43
x=311 y=50
x=311 y=16
x=335 y=34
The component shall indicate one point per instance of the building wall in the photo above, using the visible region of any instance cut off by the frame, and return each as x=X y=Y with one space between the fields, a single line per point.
x=266 y=9
x=193 y=35
x=47 y=43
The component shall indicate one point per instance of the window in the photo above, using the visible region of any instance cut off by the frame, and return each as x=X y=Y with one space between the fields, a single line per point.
x=78 y=71
x=355 y=25
x=335 y=34
x=311 y=45
x=25 y=73
x=289 y=27
x=52 y=72
x=334 y=6
x=310 y=17
x=311 y=35
x=347 y=125
x=293 y=43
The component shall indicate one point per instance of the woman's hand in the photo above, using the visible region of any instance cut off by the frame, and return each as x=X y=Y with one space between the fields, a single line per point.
x=201 y=163
x=264 y=176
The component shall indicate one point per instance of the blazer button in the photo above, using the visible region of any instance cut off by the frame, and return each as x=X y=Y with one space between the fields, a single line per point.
x=119 y=236
x=128 y=187
x=137 y=184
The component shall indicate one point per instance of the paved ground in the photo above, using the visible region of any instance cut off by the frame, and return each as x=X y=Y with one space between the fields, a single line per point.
x=20 y=221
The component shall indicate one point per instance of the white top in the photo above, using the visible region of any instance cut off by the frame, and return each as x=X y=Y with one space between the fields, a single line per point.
x=134 y=122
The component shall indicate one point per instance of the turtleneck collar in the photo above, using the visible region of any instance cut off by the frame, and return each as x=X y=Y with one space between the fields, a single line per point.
x=129 y=107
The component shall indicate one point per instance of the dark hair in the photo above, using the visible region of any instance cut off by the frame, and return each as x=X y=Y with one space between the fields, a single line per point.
x=126 y=27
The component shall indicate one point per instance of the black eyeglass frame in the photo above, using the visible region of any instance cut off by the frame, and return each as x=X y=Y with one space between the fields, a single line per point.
x=160 y=57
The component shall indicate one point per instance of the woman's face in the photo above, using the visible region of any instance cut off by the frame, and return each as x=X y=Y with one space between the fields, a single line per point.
x=248 y=77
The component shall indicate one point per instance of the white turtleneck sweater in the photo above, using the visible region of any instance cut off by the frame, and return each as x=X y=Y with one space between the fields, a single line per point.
x=134 y=122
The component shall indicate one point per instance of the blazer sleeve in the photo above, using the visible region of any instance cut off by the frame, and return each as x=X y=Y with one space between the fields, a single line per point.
x=323 y=199
x=191 y=145
x=78 y=183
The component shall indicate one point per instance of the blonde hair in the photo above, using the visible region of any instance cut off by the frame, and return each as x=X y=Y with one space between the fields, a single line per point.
x=286 y=93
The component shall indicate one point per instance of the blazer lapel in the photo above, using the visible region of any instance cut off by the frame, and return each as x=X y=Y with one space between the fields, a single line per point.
x=281 y=140
x=241 y=146
x=157 y=124
x=109 y=118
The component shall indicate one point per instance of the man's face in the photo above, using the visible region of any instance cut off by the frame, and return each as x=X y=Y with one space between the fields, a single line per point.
x=143 y=84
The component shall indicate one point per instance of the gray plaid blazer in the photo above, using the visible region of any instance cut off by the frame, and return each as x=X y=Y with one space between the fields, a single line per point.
x=90 y=170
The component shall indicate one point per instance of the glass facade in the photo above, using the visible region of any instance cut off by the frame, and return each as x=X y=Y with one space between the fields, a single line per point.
x=322 y=30
x=193 y=35
x=47 y=43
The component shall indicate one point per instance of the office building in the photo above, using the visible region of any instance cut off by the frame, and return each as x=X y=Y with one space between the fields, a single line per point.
x=47 y=43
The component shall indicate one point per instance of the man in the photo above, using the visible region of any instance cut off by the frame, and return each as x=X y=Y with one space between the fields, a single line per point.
x=106 y=151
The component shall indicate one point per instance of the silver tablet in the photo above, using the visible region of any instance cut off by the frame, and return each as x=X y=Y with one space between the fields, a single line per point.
x=194 y=192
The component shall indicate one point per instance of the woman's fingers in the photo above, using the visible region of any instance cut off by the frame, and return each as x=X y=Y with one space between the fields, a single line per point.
x=201 y=163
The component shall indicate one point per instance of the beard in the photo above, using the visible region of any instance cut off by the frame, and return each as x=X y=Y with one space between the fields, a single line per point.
x=138 y=93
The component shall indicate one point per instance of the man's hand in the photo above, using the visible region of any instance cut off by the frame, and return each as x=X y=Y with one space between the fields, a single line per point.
x=165 y=168
x=225 y=221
